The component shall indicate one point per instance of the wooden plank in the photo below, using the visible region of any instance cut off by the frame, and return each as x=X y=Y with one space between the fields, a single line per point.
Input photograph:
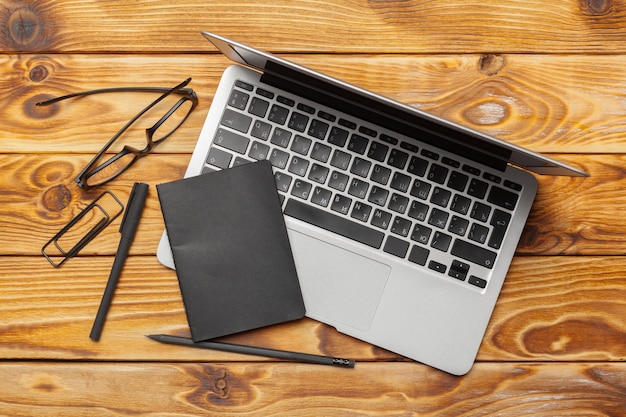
x=551 y=308
x=49 y=390
x=347 y=26
x=546 y=103
x=40 y=197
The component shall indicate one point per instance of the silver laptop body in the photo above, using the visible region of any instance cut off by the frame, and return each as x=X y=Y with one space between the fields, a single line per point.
x=402 y=225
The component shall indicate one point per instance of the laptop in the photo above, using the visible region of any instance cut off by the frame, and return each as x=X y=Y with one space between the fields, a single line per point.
x=402 y=225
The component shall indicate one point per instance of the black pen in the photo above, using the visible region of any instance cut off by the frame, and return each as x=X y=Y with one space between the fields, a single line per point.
x=252 y=350
x=128 y=229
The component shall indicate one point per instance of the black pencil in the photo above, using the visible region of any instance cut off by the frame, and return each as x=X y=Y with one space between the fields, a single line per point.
x=252 y=350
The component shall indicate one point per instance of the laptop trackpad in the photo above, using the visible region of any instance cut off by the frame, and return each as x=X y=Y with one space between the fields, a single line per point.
x=337 y=284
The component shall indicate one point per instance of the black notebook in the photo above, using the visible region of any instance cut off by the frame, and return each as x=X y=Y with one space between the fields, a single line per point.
x=231 y=251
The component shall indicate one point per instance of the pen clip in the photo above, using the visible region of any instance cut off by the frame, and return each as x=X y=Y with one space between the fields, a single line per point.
x=131 y=199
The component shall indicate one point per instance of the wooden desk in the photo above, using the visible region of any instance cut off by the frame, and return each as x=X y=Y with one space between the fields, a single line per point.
x=550 y=76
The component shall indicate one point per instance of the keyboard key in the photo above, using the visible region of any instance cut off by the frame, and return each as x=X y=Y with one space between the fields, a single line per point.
x=331 y=222
x=306 y=108
x=457 y=181
x=477 y=188
x=430 y=154
x=230 y=140
x=338 y=137
x=396 y=247
x=240 y=161
x=283 y=181
x=279 y=158
x=378 y=151
x=259 y=151
x=492 y=177
x=298 y=166
x=478 y=233
x=459 y=270
x=320 y=152
x=318 y=173
x=281 y=137
x=244 y=85
x=397 y=158
x=265 y=93
x=438 y=218
x=417 y=166
x=327 y=116
x=441 y=241
x=278 y=114
x=436 y=266
x=219 y=158
x=479 y=282
x=238 y=99
x=361 y=167
x=480 y=212
x=378 y=196
x=418 y=211
x=500 y=222
x=473 y=253
x=450 y=162
x=367 y=131
x=380 y=174
x=420 y=189
x=258 y=107
x=341 y=204
x=347 y=123
x=381 y=219
x=421 y=234
x=298 y=121
x=419 y=255
x=441 y=197
x=401 y=226
x=261 y=130
x=340 y=160
x=236 y=121
x=388 y=139
x=318 y=129
x=321 y=196
x=286 y=101
x=358 y=188
x=338 y=181
x=361 y=211
x=438 y=173
x=301 y=189
x=460 y=204
x=398 y=203
x=503 y=198
x=458 y=225
x=301 y=145
x=401 y=182
x=358 y=144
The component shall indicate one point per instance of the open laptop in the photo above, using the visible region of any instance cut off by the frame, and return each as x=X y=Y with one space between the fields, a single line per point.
x=402 y=225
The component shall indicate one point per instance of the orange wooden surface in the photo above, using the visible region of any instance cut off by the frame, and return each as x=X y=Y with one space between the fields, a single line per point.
x=550 y=76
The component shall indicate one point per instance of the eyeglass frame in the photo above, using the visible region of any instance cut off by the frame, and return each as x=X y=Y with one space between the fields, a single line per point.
x=89 y=170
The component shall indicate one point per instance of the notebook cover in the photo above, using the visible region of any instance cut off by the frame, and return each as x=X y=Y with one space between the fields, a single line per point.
x=230 y=247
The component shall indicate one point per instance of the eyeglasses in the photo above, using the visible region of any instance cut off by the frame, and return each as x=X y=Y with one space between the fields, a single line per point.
x=103 y=168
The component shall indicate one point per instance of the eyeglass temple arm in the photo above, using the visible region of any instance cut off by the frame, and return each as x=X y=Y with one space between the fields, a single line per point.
x=178 y=89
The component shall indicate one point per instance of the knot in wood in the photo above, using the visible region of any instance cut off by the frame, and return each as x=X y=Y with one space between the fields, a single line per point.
x=491 y=64
x=56 y=198
x=38 y=73
x=25 y=28
x=596 y=7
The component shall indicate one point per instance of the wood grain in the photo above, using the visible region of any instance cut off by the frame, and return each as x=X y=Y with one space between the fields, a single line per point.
x=40 y=197
x=572 y=26
x=551 y=309
x=545 y=103
x=306 y=390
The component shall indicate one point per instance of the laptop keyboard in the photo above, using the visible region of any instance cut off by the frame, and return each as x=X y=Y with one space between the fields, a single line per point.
x=409 y=201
